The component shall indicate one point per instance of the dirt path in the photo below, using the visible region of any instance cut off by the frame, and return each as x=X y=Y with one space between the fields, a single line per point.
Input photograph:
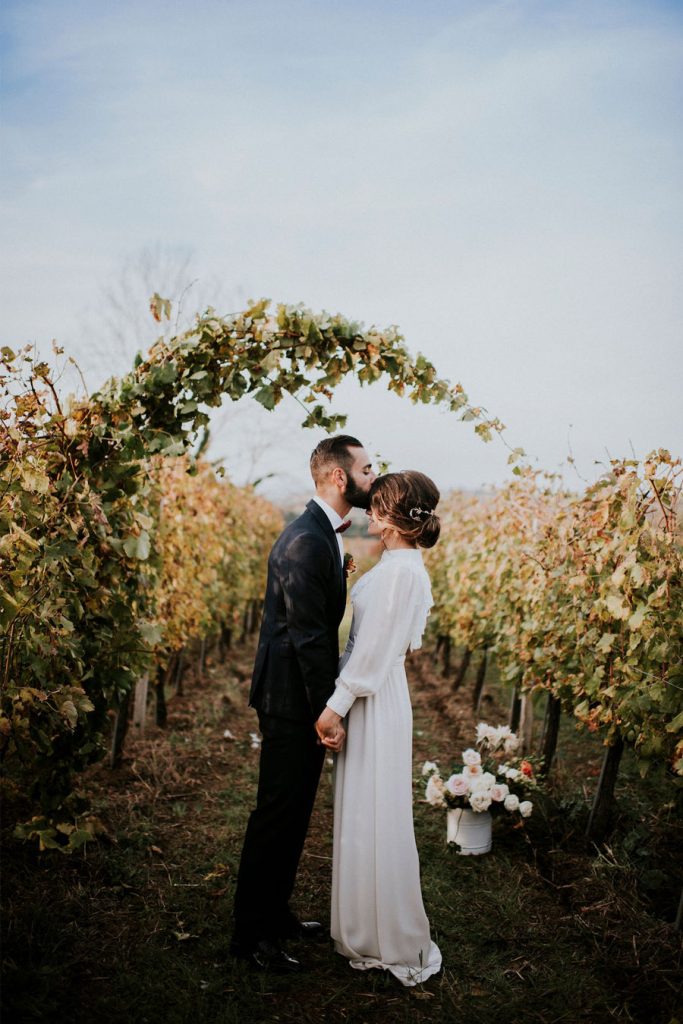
x=137 y=927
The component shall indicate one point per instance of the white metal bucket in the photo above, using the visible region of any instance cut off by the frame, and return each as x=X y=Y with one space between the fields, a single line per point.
x=471 y=830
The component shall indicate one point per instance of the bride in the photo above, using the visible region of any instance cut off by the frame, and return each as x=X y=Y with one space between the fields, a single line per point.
x=378 y=918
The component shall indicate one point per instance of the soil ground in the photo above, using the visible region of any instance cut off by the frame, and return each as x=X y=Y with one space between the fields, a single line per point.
x=546 y=928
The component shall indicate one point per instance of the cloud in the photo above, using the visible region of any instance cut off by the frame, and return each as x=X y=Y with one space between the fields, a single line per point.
x=501 y=179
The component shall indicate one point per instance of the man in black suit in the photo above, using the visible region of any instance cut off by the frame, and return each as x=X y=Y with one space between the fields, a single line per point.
x=294 y=676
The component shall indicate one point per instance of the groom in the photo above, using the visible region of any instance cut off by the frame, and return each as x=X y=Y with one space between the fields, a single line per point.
x=294 y=676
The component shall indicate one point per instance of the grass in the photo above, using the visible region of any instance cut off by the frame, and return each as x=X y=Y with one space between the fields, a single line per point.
x=547 y=928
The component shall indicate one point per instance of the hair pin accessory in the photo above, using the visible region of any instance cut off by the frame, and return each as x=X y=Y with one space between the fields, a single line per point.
x=415 y=513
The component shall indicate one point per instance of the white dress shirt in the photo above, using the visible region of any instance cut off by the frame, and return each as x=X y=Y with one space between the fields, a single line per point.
x=336 y=520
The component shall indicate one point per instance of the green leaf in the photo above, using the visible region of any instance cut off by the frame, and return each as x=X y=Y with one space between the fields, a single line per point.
x=142 y=550
x=8 y=608
x=515 y=455
x=272 y=360
x=266 y=396
x=676 y=723
x=69 y=711
x=636 y=620
x=78 y=838
x=130 y=546
x=35 y=481
x=173 y=449
x=151 y=632
x=617 y=607
x=638 y=575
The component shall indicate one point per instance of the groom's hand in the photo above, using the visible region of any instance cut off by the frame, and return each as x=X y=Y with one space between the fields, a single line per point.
x=330 y=730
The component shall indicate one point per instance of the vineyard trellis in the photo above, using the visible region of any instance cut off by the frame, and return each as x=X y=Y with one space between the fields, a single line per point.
x=105 y=512
x=580 y=597
x=87 y=605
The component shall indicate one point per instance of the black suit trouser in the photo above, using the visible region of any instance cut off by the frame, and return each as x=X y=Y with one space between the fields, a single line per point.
x=289 y=772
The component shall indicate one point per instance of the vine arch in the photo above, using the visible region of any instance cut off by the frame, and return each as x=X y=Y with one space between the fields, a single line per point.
x=79 y=513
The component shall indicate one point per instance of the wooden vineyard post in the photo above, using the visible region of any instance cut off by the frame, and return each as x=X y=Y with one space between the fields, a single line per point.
x=551 y=729
x=140 y=705
x=179 y=672
x=227 y=638
x=225 y=641
x=526 y=722
x=446 y=660
x=603 y=803
x=163 y=677
x=255 y=608
x=462 y=668
x=515 y=710
x=439 y=644
x=119 y=731
x=202 y=656
x=479 y=682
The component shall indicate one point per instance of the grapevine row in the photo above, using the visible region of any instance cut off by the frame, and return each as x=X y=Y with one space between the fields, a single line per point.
x=110 y=558
x=577 y=595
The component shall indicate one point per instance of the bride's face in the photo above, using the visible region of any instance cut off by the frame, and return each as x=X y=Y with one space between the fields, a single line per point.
x=376 y=524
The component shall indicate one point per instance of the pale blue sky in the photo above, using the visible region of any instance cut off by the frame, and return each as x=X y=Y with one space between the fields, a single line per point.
x=501 y=179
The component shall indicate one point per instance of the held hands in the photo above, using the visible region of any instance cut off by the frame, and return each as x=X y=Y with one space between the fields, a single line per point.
x=330 y=730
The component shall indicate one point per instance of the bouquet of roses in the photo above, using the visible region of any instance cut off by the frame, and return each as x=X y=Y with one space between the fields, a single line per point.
x=486 y=782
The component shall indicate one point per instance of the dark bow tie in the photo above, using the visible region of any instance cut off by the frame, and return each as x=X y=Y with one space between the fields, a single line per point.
x=344 y=526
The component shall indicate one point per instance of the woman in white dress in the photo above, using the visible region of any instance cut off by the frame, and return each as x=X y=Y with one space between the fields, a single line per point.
x=378 y=918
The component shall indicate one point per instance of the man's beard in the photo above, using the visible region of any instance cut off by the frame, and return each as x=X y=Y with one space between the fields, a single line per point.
x=354 y=495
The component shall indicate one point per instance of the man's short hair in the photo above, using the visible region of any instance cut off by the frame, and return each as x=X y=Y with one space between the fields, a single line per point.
x=332 y=452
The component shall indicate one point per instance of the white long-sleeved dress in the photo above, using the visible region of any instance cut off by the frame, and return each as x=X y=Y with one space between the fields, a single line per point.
x=378 y=917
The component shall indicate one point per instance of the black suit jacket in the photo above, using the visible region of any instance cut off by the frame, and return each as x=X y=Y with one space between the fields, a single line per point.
x=298 y=649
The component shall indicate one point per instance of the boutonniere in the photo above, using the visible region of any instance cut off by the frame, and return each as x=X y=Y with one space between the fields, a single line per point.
x=349 y=565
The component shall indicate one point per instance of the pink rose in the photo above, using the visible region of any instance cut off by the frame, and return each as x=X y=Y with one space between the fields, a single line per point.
x=458 y=785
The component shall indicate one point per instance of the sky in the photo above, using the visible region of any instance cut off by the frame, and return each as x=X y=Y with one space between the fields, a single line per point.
x=500 y=178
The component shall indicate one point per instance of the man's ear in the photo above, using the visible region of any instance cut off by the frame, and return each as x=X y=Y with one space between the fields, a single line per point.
x=339 y=477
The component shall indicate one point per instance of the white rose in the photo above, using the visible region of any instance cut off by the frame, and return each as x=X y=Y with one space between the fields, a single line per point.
x=434 y=791
x=525 y=808
x=485 y=732
x=471 y=756
x=499 y=791
x=458 y=785
x=472 y=769
x=511 y=802
x=429 y=766
x=480 y=801
x=477 y=786
x=511 y=745
x=513 y=773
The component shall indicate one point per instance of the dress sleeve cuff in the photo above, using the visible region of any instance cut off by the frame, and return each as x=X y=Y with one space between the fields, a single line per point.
x=341 y=700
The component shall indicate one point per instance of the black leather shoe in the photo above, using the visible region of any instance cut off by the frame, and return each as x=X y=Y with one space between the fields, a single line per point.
x=266 y=955
x=306 y=930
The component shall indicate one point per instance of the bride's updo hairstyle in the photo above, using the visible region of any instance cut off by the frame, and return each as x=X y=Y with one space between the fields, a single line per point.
x=407 y=501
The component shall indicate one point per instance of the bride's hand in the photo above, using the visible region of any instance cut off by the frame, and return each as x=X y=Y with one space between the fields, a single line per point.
x=330 y=730
x=334 y=742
